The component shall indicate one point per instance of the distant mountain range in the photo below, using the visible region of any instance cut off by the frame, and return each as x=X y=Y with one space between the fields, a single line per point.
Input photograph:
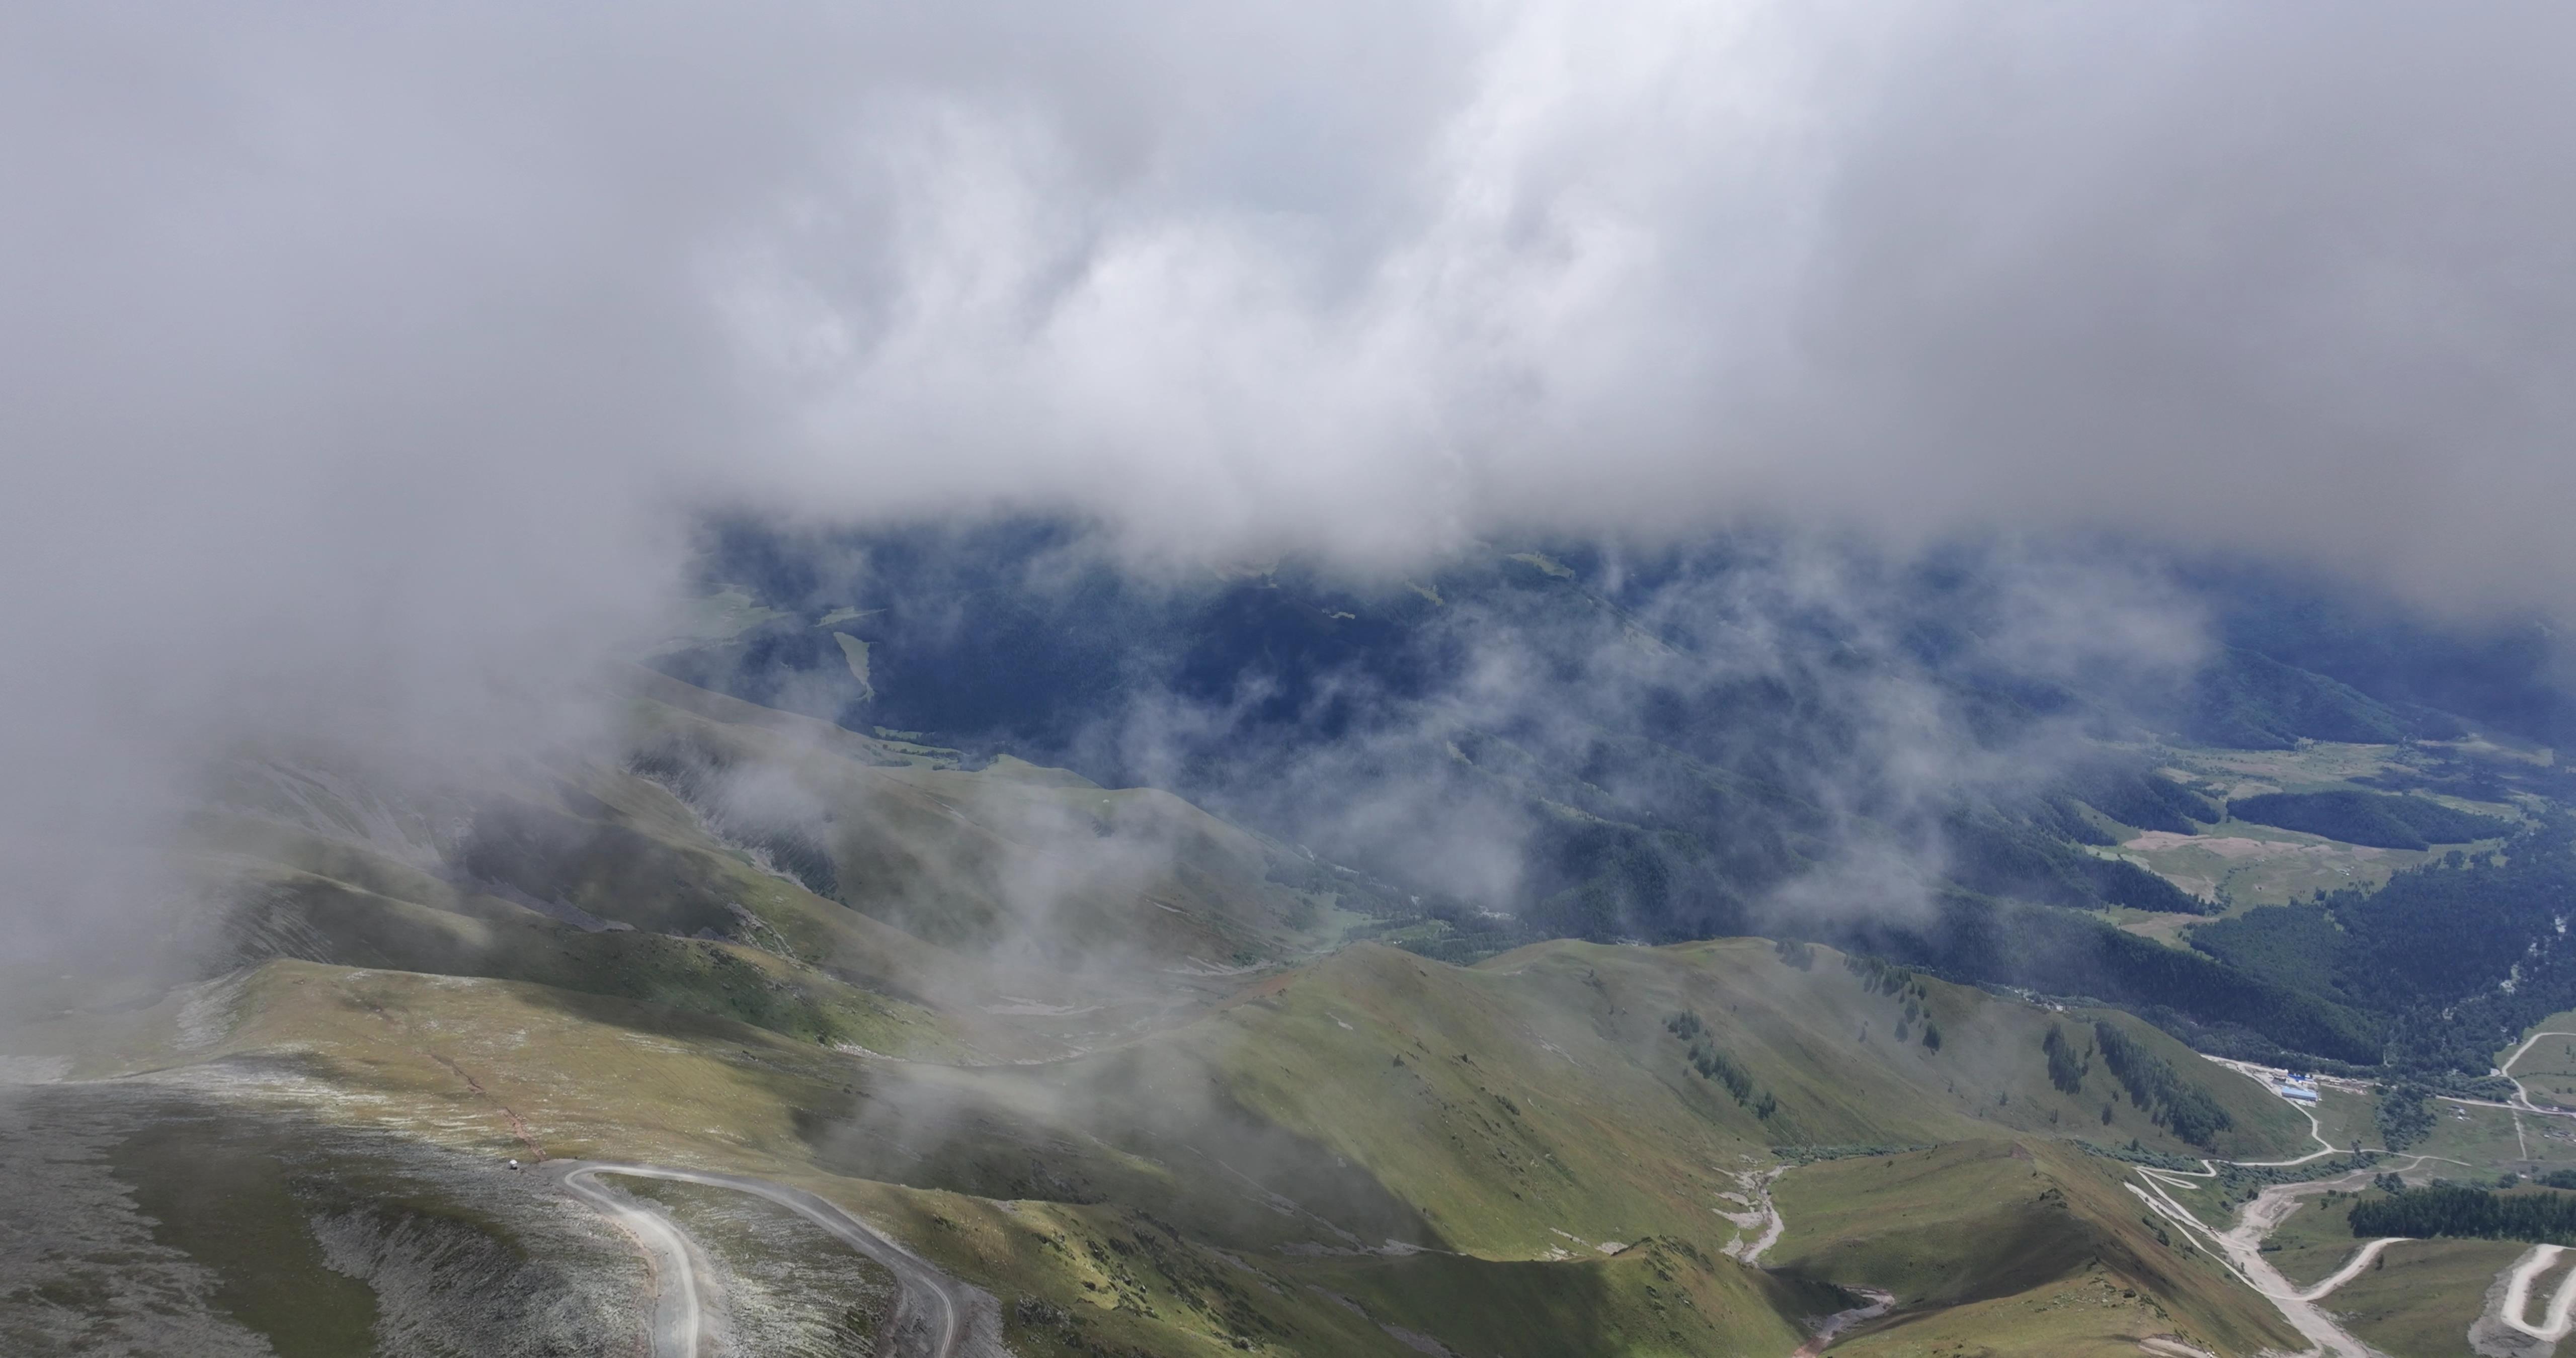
x=1933 y=759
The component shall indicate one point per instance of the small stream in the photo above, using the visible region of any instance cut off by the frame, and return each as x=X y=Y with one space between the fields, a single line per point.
x=1833 y=1325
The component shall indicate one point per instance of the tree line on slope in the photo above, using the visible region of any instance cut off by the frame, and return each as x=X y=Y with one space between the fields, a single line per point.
x=2378 y=819
x=2540 y=1216
x=1714 y=1065
x=2176 y=1104
x=1981 y=939
x=2066 y=1069
x=1879 y=977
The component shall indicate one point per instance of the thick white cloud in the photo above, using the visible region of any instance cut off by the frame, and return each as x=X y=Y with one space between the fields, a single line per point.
x=361 y=367
x=2287 y=278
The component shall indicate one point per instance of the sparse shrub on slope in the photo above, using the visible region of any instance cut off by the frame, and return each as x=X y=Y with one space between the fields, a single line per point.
x=1715 y=1065
x=2405 y=1115
x=2066 y=1069
x=1880 y=977
x=1977 y=938
x=2154 y=1085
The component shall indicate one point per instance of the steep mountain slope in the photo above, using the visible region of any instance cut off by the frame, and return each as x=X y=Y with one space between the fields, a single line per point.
x=742 y=862
x=1739 y=736
x=1012 y=855
x=1542 y=1154
x=1136 y=1071
x=2007 y=1247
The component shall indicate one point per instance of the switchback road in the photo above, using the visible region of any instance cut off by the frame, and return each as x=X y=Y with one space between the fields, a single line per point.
x=935 y=1316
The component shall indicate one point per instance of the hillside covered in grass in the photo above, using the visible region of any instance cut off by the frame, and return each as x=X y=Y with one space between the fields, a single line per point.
x=1522 y=1156
x=1135 y=1071
x=1161 y=1084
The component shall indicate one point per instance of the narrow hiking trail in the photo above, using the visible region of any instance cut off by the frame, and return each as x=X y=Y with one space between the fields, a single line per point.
x=2240 y=1248
x=935 y=1315
x=2504 y=1328
x=2521 y=1102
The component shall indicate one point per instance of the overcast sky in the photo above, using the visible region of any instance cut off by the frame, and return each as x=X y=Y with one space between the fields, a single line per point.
x=362 y=367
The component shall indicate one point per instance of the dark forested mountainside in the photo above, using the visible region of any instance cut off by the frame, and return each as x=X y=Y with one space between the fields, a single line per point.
x=2450 y=958
x=2127 y=793
x=2251 y=701
x=2377 y=819
x=1749 y=736
x=2507 y=678
x=2218 y=1004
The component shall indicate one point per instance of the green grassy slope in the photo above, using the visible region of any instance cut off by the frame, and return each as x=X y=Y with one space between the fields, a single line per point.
x=1534 y=1126
x=1543 y=1092
x=508 y=1068
x=1010 y=854
x=954 y=913
x=1522 y=1109
x=2424 y=1295
x=1143 y=1092
x=2023 y=1240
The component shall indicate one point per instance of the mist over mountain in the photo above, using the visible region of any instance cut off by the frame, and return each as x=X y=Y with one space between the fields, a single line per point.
x=1131 y=678
x=1766 y=733
x=386 y=363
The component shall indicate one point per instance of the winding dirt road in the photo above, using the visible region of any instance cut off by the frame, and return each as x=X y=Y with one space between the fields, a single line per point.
x=2239 y=1247
x=679 y=1322
x=934 y=1314
x=2514 y=1308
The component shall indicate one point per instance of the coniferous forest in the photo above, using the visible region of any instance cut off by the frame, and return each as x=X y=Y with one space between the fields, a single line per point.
x=2542 y=1216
